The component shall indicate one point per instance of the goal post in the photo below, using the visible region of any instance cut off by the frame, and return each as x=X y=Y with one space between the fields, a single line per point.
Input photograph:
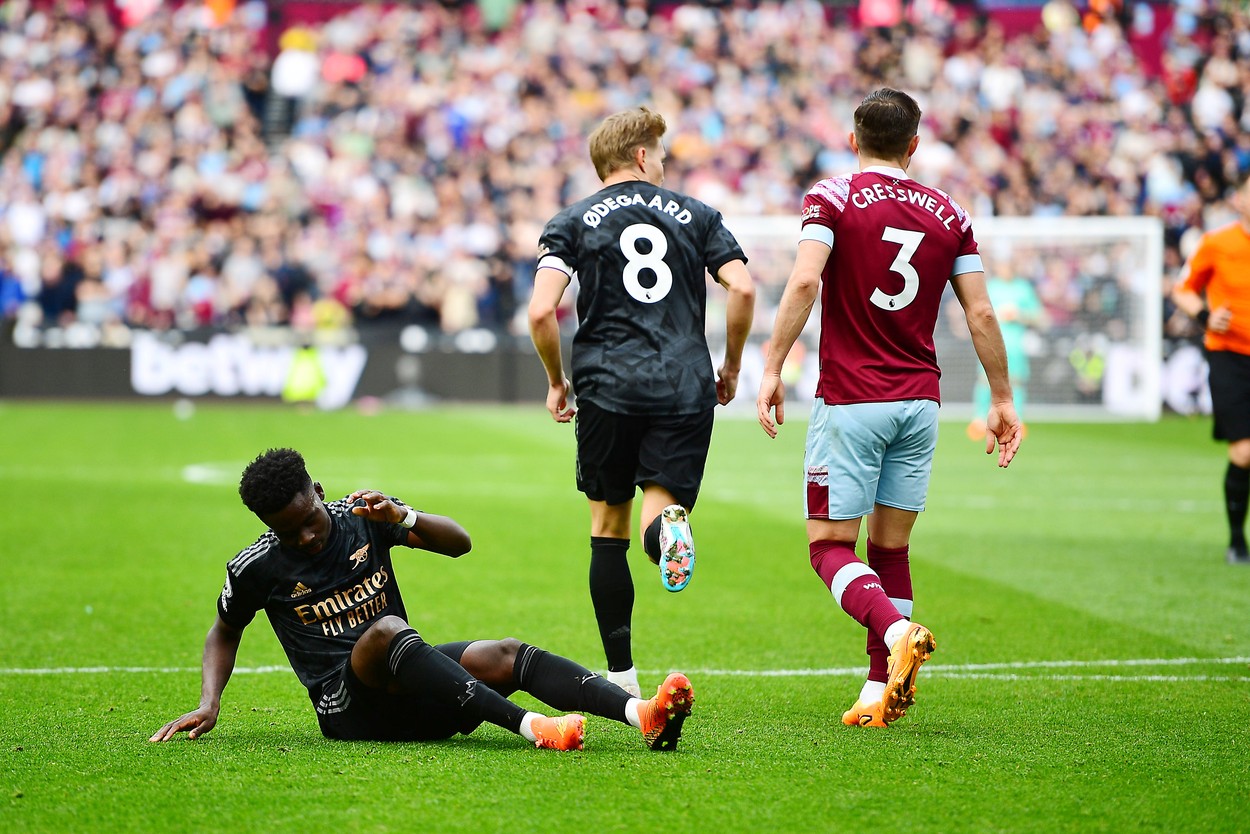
x=1079 y=299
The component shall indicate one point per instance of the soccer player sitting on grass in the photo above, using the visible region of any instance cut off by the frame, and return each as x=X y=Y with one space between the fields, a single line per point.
x=323 y=576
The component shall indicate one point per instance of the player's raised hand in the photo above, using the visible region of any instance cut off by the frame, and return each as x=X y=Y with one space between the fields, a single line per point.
x=376 y=506
x=558 y=402
x=1003 y=427
x=195 y=723
x=772 y=397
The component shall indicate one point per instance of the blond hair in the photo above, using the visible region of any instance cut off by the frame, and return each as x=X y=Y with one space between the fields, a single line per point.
x=614 y=141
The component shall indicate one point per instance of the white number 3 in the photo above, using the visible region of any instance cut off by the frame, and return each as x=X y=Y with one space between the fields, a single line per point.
x=653 y=260
x=908 y=243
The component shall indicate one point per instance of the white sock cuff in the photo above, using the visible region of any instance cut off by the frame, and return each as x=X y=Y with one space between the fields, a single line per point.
x=629 y=675
x=527 y=732
x=631 y=712
x=895 y=631
x=872 y=692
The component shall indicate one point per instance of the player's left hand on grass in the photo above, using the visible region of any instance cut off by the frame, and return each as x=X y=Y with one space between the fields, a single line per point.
x=377 y=507
x=195 y=724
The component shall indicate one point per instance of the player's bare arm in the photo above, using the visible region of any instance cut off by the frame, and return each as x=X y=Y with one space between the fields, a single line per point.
x=1002 y=425
x=739 y=313
x=549 y=286
x=796 y=306
x=436 y=533
x=221 y=647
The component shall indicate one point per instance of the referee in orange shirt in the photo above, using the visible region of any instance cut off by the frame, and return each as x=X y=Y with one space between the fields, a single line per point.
x=1215 y=290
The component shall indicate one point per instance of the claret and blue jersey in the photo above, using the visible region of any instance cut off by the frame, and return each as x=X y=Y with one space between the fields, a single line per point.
x=877 y=333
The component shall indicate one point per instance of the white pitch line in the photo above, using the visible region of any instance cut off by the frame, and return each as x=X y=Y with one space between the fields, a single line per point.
x=965 y=670
x=1062 y=664
x=142 y=670
x=935 y=668
x=1117 y=678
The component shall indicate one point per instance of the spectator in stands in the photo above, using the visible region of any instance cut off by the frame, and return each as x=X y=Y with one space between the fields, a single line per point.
x=427 y=134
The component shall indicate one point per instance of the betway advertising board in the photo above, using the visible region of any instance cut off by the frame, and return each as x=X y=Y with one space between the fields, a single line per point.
x=409 y=364
x=232 y=365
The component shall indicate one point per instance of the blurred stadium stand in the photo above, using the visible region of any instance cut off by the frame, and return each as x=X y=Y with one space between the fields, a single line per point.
x=331 y=167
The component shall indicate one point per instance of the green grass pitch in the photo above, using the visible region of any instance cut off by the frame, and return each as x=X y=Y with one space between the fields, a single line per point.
x=1091 y=672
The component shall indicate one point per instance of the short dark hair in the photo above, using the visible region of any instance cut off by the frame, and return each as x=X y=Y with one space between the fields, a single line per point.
x=885 y=122
x=273 y=480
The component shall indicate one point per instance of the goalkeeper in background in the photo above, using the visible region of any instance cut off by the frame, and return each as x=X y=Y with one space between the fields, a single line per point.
x=1215 y=291
x=882 y=248
x=1019 y=311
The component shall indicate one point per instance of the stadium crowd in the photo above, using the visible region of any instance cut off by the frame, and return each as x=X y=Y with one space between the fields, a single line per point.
x=394 y=164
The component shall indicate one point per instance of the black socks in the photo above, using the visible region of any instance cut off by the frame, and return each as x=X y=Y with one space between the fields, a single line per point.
x=1236 y=493
x=651 y=539
x=612 y=594
x=421 y=668
x=565 y=685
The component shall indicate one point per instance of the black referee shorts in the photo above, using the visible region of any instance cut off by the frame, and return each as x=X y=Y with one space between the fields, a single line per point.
x=617 y=453
x=348 y=710
x=1230 y=394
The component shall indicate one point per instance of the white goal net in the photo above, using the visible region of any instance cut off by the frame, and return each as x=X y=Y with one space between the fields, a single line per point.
x=1079 y=298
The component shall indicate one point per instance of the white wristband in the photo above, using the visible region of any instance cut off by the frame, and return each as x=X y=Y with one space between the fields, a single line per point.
x=410 y=520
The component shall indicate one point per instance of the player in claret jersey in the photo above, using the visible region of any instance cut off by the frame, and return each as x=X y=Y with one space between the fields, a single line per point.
x=880 y=248
x=641 y=368
x=324 y=578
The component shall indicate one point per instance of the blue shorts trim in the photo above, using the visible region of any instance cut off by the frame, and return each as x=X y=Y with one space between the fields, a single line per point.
x=863 y=454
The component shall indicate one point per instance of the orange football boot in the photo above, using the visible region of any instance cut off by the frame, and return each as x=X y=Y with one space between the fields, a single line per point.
x=565 y=732
x=864 y=715
x=909 y=651
x=663 y=715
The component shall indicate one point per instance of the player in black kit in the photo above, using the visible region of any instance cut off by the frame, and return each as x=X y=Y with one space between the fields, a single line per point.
x=641 y=367
x=323 y=576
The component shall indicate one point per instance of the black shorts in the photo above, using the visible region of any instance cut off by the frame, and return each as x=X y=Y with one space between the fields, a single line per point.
x=617 y=453
x=350 y=711
x=1230 y=394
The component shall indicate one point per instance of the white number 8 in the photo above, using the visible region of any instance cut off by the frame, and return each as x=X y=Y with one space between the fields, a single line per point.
x=638 y=261
x=908 y=242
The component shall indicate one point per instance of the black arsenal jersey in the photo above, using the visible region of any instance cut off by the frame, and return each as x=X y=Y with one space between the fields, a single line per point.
x=319 y=606
x=640 y=254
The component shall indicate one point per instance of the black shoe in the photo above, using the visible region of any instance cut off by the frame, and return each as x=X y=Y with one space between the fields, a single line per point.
x=1237 y=556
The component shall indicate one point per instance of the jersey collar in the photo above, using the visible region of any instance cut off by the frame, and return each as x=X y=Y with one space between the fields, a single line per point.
x=886 y=170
